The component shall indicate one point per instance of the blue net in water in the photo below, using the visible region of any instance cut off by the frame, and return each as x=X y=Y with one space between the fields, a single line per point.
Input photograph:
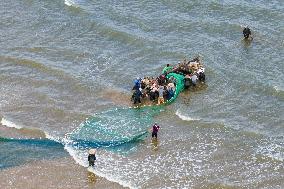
x=114 y=127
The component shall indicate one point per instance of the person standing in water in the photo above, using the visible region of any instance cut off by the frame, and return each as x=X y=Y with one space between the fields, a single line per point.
x=247 y=33
x=92 y=157
x=155 y=130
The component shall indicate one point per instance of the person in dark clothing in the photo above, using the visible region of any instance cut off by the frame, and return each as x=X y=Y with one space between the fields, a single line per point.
x=137 y=96
x=187 y=82
x=137 y=84
x=155 y=130
x=246 y=32
x=152 y=95
x=171 y=93
x=92 y=157
x=165 y=93
x=162 y=80
x=201 y=77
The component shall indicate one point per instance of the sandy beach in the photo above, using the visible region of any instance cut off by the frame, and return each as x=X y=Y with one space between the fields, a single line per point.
x=57 y=173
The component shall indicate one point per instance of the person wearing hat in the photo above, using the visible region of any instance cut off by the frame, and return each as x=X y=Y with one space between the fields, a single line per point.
x=155 y=130
x=92 y=157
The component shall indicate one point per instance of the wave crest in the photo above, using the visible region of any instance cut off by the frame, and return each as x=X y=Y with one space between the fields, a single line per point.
x=8 y=123
x=186 y=118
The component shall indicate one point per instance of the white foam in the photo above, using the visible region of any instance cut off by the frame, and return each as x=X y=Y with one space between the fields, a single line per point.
x=278 y=89
x=56 y=139
x=8 y=123
x=273 y=151
x=76 y=156
x=11 y=124
x=81 y=158
x=70 y=3
x=185 y=118
x=110 y=178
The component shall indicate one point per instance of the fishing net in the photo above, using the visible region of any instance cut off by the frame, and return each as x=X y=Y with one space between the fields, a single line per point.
x=114 y=127
x=179 y=85
x=167 y=69
x=117 y=126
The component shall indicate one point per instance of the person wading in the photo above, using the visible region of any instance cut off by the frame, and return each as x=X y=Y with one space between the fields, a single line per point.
x=92 y=157
x=247 y=33
x=155 y=130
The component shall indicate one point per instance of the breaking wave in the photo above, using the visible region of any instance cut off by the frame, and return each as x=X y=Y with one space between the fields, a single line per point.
x=185 y=117
x=8 y=123
x=273 y=151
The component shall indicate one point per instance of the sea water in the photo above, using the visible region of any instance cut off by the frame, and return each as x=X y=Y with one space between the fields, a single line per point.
x=62 y=62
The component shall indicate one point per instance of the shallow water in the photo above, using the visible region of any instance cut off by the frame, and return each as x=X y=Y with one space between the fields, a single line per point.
x=63 y=61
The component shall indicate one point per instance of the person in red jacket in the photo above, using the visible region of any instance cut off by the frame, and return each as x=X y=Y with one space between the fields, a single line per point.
x=155 y=130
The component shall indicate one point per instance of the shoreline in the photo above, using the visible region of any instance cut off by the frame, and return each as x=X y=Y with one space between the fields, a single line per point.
x=56 y=173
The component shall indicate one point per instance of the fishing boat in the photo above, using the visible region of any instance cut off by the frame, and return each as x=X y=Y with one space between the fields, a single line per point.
x=165 y=88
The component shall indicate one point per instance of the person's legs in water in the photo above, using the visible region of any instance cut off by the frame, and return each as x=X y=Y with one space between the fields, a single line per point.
x=154 y=134
x=91 y=163
x=137 y=100
x=152 y=95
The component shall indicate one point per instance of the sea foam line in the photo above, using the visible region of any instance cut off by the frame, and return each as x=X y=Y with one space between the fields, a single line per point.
x=184 y=117
x=112 y=179
x=274 y=151
x=79 y=159
x=278 y=89
x=10 y=124
x=70 y=3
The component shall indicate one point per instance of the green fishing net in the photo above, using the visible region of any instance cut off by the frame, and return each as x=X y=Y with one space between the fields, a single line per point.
x=121 y=125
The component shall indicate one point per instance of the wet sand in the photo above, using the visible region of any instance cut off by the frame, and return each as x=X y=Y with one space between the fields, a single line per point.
x=41 y=174
x=57 y=173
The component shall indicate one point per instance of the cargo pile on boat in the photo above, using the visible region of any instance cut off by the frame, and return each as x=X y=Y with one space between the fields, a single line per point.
x=166 y=87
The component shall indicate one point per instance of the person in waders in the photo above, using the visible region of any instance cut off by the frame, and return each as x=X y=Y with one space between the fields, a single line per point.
x=92 y=157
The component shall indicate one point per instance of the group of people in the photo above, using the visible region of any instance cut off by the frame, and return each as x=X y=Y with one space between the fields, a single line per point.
x=162 y=88
x=159 y=89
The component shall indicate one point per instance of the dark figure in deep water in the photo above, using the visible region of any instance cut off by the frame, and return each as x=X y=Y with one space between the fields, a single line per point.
x=92 y=157
x=247 y=33
x=155 y=130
